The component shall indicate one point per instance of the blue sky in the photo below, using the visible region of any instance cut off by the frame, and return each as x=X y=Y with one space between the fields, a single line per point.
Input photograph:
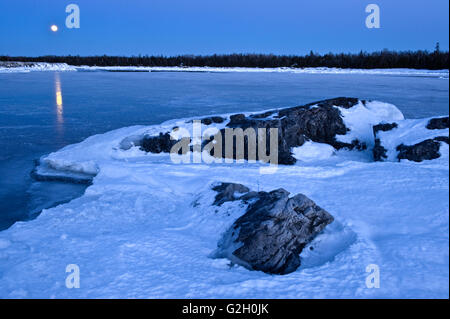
x=172 y=27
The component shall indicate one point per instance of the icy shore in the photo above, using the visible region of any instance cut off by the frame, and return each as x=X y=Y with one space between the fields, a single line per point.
x=146 y=227
x=19 y=67
x=25 y=67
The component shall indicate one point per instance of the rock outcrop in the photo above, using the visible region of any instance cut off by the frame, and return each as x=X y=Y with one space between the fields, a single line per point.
x=228 y=192
x=158 y=144
x=425 y=150
x=161 y=143
x=273 y=231
x=439 y=123
x=212 y=119
x=404 y=142
x=319 y=122
x=378 y=151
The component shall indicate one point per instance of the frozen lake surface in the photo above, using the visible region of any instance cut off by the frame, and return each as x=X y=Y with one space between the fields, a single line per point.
x=146 y=227
x=41 y=112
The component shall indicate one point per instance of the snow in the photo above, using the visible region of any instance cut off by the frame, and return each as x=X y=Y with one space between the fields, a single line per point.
x=311 y=151
x=316 y=70
x=409 y=132
x=24 y=67
x=361 y=118
x=145 y=228
x=43 y=66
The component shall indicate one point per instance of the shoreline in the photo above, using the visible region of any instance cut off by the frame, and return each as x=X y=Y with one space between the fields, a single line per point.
x=142 y=211
x=24 y=67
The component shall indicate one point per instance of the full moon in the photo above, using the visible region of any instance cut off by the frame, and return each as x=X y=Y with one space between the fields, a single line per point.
x=54 y=28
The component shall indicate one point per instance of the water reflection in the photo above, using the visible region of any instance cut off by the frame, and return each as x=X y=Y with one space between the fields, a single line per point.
x=59 y=101
x=59 y=104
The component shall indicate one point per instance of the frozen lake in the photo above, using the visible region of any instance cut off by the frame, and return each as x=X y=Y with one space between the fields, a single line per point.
x=40 y=112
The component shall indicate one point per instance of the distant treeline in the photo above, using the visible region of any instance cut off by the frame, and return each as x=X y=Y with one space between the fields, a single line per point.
x=383 y=59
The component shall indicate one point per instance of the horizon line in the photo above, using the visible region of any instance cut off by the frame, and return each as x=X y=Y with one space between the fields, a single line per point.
x=442 y=51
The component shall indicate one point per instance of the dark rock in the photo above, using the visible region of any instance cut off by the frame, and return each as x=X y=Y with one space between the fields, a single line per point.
x=438 y=123
x=345 y=102
x=236 y=119
x=263 y=115
x=383 y=127
x=354 y=145
x=442 y=139
x=319 y=124
x=246 y=198
x=425 y=150
x=217 y=119
x=212 y=119
x=228 y=192
x=284 y=152
x=272 y=233
x=295 y=125
x=158 y=144
x=378 y=151
x=206 y=121
x=209 y=120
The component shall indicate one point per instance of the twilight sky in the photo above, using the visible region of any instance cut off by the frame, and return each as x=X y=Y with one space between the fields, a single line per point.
x=172 y=27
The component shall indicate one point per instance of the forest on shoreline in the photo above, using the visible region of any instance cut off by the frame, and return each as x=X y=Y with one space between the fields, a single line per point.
x=435 y=60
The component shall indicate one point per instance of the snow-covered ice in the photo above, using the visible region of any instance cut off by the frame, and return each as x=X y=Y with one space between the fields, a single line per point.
x=61 y=67
x=22 y=67
x=145 y=228
x=309 y=70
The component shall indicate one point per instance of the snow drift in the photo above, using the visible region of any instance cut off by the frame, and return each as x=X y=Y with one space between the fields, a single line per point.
x=24 y=67
x=7 y=67
x=147 y=227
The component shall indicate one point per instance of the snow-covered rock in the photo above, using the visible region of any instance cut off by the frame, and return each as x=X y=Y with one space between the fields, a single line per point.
x=311 y=151
x=227 y=192
x=340 y=122
x=273 y=231
x=414 y=140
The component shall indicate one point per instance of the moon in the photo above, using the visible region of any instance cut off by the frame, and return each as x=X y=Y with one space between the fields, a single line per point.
x=54 y=28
